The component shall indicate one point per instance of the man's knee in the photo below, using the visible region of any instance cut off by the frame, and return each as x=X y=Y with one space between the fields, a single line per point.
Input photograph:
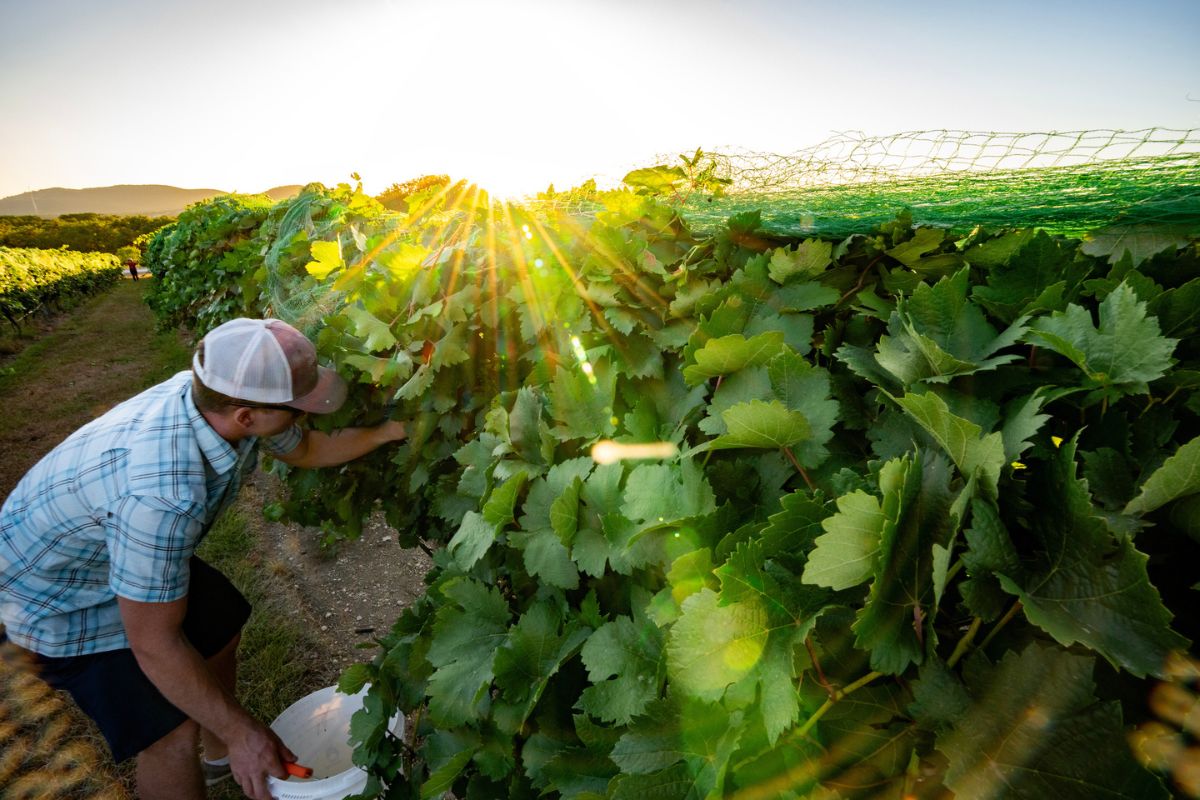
x=180 y=742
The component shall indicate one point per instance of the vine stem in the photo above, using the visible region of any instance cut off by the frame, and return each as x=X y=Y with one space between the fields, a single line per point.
x=838 y=695
x=861 y=279
x=964 y=643
x=817 y=665
x=1012 y=612
x=788 y=452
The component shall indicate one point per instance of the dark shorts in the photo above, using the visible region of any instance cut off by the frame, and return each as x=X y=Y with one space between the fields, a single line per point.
x=112 y=689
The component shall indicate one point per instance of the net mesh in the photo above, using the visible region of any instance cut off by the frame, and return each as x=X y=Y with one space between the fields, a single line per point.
x=1065 y=182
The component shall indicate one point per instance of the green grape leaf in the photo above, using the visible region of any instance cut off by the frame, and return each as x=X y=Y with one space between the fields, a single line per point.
x=1086 y=586
x=622 y=659
x=1178 y=310
x=1033 y=278
x=652 y=742
x=691 y=572
x=546 y=557
x=680 y=748
x=810 y=258
x=532 y=654
x=472 y=539
x=1034 y=727
x=663 y=494
x=1119 y=357
x=544 y=491
x=468 y=630
x=972 y=452
x=564 y=512
x=381 y=371
x=731 y=353
x=793 y=610
x=792 y=532
x=402 y=259
x=580 y=772
x=999 y=252
x=526 y=426
x=450 y=753
x=939 y=697
x=740 y=387
x=805 y=296
x=712 y=645
x=938 y=334
x=1177 y=477
x=805 y=388
x=374 y=333
x=891 y=624
x=923 y=242
x=582 y=404
x=1021 y=422
x=672 y=783
x=1141 y=242
x=770 y=425
x=846 y=553
x=501 y=504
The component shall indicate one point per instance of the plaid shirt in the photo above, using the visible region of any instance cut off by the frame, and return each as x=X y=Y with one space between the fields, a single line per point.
x=116 y=509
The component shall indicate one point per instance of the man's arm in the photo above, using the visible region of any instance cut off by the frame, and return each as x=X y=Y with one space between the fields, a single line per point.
x=317 y=449
x=181 y=674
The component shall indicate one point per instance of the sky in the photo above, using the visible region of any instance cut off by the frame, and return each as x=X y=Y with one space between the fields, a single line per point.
x=243 y=95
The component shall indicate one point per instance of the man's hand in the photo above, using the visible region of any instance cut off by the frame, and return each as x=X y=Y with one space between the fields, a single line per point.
x=255 y=753
x=392 y=431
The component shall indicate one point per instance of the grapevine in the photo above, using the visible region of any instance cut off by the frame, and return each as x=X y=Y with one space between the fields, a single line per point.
x=921 y=528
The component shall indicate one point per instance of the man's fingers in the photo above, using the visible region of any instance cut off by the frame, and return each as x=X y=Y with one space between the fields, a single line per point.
x=261 y=792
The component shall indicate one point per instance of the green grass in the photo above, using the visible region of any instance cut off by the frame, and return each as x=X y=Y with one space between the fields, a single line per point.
x=271 y=663
x=117 y=320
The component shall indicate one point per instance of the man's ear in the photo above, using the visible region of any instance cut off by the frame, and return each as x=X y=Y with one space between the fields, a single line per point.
x=243 y=416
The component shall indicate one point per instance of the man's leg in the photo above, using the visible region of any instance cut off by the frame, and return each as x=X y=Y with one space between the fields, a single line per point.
x=224 y=667
x=169 y=769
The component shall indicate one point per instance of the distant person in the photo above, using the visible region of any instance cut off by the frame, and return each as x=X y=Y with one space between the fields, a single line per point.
x=98 y=577
x=133 y=270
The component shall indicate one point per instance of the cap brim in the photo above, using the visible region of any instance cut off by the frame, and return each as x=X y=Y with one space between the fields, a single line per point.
x=327 y=397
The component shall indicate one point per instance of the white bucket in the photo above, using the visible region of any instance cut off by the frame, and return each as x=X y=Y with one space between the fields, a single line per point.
x=317 y=729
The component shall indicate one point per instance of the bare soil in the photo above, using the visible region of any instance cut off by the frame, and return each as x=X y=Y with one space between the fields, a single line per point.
x=346 y=596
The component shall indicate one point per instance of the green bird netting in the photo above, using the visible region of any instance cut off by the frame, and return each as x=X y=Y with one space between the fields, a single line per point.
x=1064 y=182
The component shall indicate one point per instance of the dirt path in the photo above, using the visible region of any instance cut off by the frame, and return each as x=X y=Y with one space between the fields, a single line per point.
x=76 y=367
x=105 y=351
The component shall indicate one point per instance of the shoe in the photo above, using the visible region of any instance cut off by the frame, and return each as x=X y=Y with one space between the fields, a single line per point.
x=214 y=773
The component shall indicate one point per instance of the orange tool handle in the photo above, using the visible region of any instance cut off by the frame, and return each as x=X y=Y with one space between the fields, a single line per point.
x=298 y=770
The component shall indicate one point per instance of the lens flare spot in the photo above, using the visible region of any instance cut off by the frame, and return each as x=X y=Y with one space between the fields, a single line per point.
x=743 y=654
x=610 y=452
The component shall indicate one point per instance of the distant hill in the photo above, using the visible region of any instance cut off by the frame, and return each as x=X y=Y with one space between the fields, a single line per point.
x=151 y=200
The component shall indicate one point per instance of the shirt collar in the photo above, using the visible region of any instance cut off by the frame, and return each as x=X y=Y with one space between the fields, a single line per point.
x=219 y=454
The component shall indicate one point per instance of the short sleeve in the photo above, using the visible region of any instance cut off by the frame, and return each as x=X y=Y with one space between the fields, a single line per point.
x=283 y=443
x=150 y=540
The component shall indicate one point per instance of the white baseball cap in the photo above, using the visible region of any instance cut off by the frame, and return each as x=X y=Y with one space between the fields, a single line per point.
x=268 y=361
